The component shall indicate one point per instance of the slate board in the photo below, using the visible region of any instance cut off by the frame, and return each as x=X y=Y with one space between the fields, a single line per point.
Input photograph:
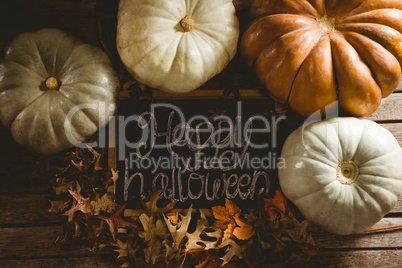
x=200 y=151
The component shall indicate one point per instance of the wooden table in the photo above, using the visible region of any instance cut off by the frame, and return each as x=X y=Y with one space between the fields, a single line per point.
x=27 y=230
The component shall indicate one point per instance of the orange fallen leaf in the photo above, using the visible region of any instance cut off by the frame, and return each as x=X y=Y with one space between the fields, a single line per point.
x=225 y=215
x=244 y=230
x=278 y=201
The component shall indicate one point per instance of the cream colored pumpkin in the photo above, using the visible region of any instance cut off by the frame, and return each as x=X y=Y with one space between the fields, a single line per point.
x=344 y=174
x=176 y=46
x=55 y=90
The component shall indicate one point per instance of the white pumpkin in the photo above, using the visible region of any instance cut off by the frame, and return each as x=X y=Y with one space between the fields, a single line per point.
x=344 y=174
x=176 y=46
x=55 y=90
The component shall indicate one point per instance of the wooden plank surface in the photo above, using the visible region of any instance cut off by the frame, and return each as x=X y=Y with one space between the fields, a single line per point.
x=395 y=129
x=376 y=239
x=81 y=262
x=26 y=242
x=27 y=230
x=15 y=9
x=358 y=258
x=72 y=8
x=390 y=109
x=26 y=209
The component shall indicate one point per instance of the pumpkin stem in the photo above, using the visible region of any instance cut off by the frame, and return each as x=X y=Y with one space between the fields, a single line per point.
x=347 y=172
x=52 y=83
x=326 y=23
x=187 y=23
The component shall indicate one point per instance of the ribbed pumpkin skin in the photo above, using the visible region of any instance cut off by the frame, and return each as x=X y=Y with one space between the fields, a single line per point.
x=313 y=157
x=305 y=65
x=38 y=117
x=158 y=52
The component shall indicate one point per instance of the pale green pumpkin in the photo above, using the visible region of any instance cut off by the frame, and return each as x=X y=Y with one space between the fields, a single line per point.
x=55 y=90
x=344 y=174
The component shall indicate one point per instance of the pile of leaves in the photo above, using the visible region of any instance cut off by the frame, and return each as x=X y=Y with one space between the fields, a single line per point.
x=222 y=236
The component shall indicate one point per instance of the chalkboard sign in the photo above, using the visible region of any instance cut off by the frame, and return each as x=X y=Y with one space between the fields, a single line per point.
x=199 y=151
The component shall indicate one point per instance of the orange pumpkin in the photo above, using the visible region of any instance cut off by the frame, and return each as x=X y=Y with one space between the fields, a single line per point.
x=310 y=53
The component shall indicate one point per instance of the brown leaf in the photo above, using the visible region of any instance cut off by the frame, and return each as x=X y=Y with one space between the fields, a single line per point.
x=79 y=166
x=225 y=215
x=153 y=235
x=63 y=188
x=93 y=151
x=117 y=220
x=105 y=203
x=82 y=204
x=210 y=259
x=59 y=205
x=202 y=264
x=299 y=233
x=125 y=92
x=232 y=208
x=95 y=227
x=278 y=201
x=151 y=207
x=244 y=231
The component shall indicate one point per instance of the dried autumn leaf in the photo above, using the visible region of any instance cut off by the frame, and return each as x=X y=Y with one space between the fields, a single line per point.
x=93 y=151
x=278 y=201
x=115 y=176
x=299 y=233
x=125 y=92
x=210 y=259
x=82 y=204
x=173 y=218
x=117 y=220
x=178 y=232
x=63 y=188
x=202 y=264
x=151 y=207
x=225 y=215
x=244 y=231
x=195 y=240
x=59 y=205
x=153 y=235
x=232 y=249
x=122 y=249
x=105 y=203
x=79 y=166
x=95 y=227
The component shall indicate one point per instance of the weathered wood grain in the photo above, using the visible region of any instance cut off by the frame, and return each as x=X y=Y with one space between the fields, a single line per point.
x=82 y=262
x=395 y=129
x=16 y=167
x=24 y=242
x=398 y=206
x=390 y=109
x=50 y=8
x=27 y=242
x=399 y=88
x=376 y=239
x=364 y=258
x=73 y=8
x=26 y=209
